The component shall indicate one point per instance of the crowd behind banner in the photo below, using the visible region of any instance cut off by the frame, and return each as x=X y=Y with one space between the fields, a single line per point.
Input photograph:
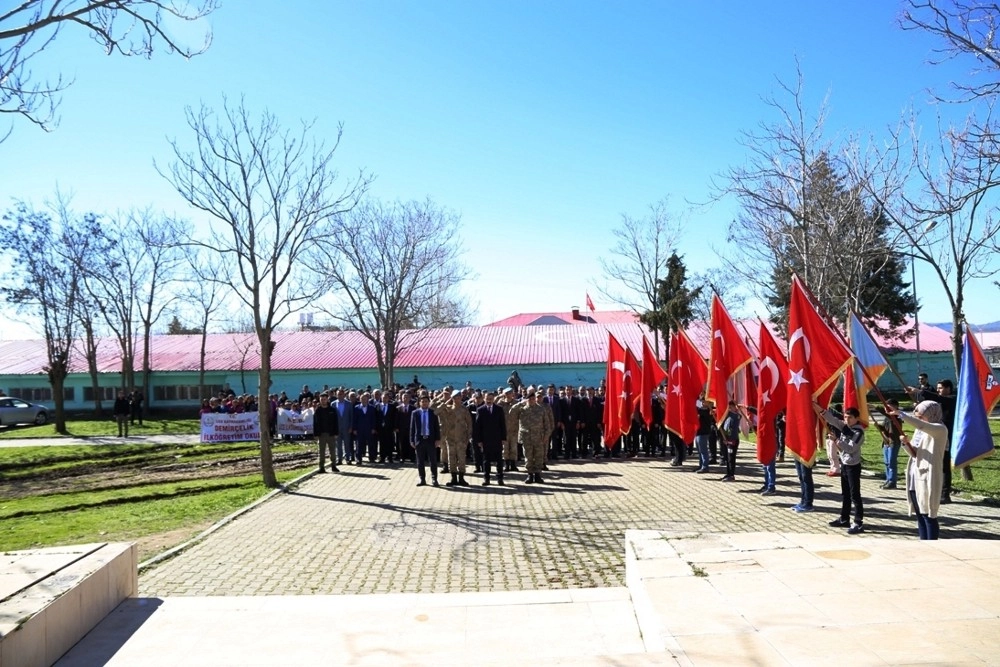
x=781 y=391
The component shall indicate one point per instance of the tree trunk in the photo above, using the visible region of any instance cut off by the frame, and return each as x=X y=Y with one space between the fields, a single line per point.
x=146 y=371
x=264 y=411
x=58 y=381
x=201 y=365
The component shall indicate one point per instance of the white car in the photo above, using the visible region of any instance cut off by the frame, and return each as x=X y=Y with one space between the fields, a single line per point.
x=16 y=411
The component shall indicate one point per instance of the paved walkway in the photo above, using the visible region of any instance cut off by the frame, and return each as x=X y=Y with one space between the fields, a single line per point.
x=369 y=529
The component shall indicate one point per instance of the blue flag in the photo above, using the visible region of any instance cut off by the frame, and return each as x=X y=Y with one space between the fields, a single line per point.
x=972 y=439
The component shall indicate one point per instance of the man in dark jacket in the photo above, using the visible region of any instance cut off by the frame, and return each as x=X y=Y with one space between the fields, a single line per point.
x=122 y=410
x=326 y=429
x=490 y=433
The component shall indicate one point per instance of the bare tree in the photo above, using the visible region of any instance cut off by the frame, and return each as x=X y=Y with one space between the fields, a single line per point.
x=160 y=239
x=202 y=293
x=44 y=282
x=801 y=214
x=393 y=270
x=966 y=30
x=272 y=194
x=938 y=196
x=125 y=27
x=638 y=260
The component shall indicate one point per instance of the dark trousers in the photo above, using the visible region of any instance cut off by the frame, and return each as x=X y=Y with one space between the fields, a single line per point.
x=927 y=528
x=385 y=446
x=806 y=485
x=850 y=489
x=426 y=456
x=730 y=451
x=570 y=434
x=492 y=454
x=678 y=448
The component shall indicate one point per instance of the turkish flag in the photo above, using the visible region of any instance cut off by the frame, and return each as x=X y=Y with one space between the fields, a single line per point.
x=686 y=376
x=817 y=355
x=652 y=375
x=590 y=304
x=615 y=394
x=771 y=395
x=631 y=384
x=729 y=353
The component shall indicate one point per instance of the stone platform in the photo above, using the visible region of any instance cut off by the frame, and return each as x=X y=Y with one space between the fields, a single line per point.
x=51 y=598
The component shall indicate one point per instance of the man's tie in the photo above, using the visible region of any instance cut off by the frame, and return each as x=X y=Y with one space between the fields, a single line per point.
x=426 y=430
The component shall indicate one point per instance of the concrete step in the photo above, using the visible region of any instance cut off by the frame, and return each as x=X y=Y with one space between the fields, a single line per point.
x=578 y=626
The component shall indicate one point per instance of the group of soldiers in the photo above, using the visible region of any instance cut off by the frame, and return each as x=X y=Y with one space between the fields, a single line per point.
x=530 y=424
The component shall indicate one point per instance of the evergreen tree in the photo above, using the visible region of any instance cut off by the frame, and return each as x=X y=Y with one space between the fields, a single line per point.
x=674 y=300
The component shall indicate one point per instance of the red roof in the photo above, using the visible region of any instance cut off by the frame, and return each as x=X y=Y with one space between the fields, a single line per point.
x=568 y=317
x=495 y=345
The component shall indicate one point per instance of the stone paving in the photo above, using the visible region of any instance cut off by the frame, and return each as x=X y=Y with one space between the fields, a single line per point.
x=369 y=529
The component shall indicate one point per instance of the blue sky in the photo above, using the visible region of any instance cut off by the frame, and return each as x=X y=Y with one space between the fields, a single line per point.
x=539 y=122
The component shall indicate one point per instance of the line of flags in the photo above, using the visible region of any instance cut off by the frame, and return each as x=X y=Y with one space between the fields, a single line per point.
x=779 y=378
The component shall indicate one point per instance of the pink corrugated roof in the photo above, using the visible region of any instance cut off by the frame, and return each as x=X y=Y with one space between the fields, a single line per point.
x=512 y=346
x=566 y=317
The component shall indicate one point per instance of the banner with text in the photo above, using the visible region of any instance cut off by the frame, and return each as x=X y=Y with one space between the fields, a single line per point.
x=295 y=423
x=219 y=427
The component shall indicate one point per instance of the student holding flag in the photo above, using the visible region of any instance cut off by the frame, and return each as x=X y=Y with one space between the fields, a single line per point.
x=925 y=470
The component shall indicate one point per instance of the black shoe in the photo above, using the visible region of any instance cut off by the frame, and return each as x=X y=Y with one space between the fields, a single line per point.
x=855 y=529
x=889 y=485
x=322 y=470
x=530 y=479
x=451 y=482
x=538 y=478
x=500 y=481
x=421 y=483
x=486 y=482
x=334 y=469
x=435 y=483
x=479 y=468
x=945 y=500
x=513 y=467
x=462 y=482
x=839 y=523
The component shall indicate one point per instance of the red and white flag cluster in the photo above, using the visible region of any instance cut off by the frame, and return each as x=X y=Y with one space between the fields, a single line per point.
x=772 y=381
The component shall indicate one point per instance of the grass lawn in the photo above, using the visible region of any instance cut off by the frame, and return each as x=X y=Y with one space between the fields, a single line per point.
x=105 y=427
x=157 y=495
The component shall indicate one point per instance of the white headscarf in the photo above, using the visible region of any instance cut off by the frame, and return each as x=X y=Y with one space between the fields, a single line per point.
x=930 y=411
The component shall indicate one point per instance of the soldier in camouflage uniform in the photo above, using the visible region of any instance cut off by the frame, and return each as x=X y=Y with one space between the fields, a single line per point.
x=438 y=401
x=512 y=410
x=534 y=427
x=456 y=430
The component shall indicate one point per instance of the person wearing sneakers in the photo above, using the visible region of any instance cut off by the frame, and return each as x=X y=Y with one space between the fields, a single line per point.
x=850 y=437
x=892 y=433
x=706 y=422
x=730 y=436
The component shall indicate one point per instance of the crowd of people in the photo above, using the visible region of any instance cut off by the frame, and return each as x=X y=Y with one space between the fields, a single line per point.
x=496 y=432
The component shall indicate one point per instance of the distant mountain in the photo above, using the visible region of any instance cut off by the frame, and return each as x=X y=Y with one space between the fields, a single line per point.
x=987 y=328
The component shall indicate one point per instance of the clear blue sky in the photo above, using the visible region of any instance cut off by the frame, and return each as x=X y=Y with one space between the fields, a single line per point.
x=539 y=122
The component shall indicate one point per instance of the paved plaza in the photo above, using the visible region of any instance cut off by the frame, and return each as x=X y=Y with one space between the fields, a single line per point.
x=369 y=529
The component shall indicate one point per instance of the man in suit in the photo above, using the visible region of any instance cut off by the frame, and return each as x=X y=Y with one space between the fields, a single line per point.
x=425 y=438
x=404 y=411
x=386 y=427
x=555 y=441
x=490 y=436
x=345 y=425
x=365 y=424
x=572 y=420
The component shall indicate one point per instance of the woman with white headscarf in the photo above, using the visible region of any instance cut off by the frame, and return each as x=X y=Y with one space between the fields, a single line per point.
x=925 y=472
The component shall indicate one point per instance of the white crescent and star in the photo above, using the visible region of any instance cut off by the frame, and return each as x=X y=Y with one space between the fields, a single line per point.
x=768 y=363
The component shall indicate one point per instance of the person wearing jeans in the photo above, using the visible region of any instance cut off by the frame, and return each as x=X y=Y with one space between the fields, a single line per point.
x=805 y=474
x=891 y=432
x=924 y=474
x=706 y=422
x=850 y=437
